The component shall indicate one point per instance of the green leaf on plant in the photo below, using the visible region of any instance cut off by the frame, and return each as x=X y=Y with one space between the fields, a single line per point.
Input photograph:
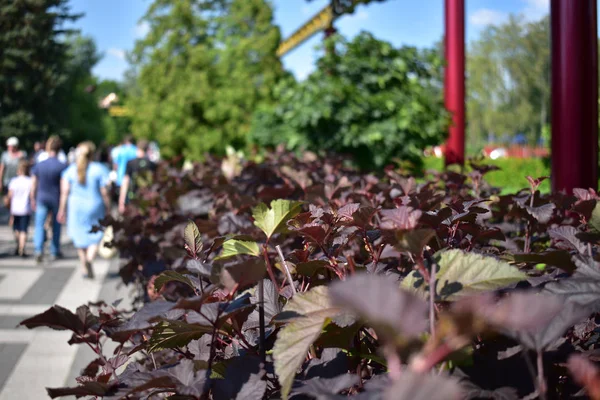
x=313 y=311
x=170 y=276
x=192 y=238
x=172 y=334
x=272 y=220
x=595 y=219
x=236 y=247
x=464 y=274
x=540 y=267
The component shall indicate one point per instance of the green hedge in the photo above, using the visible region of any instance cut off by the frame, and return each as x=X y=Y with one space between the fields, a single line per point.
x=512 y=174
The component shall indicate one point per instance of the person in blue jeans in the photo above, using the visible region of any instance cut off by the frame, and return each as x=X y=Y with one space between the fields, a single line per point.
x=45 y=199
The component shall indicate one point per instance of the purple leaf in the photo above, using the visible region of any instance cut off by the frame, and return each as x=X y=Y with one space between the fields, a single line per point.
x=522 y=311
x=86 y=389
x=363 y=216
x=565 y=238
x=347 y=211
x=149 y=312
x=413 y=386
x=583 y=194
x=242 y=274
x=188 y=382
x=403 y=218
x=57 y=318
x=543 y=213
x=380 y=301
x=543 y=337
x=244 y=380
x=324 y=388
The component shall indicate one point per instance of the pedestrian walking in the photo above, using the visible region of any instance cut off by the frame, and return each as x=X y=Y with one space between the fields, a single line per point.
x=61 y=156
x=38 y=148
x=120 y=156
x=9 y=162
x=84 y=200
x=45 y=199
x=19 y=191
x=138 y=168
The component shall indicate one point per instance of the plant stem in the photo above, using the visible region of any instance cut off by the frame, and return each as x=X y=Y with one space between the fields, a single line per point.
x=394 y=364
x=423 y=363
x=528 y=229
x=285 y=266
x=261 y=321
x=212 y=344
x=532 y=374
x=269 y=268
x=422 y=269
x=540 y=376
x=432 y=293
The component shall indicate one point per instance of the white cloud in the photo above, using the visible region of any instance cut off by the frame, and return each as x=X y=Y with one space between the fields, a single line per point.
x=486 y=16
x=141 y=29
x=118 y=53
x=536 y=9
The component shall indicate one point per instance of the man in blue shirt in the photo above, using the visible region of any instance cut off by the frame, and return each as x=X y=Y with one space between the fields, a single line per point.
x=45 y=196
x=121 y=155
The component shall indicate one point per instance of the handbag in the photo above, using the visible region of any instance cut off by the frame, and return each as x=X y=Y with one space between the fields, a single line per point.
x=105 y=251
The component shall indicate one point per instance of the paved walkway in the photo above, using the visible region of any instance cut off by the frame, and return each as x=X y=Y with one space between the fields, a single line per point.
x=31 y=360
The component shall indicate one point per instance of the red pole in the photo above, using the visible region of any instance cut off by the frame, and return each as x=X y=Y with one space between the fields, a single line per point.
x=574 y=94
x=454 y=79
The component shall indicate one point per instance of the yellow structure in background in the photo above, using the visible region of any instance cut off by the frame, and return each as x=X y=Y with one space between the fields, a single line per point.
x=320 y=22
x=118 y=111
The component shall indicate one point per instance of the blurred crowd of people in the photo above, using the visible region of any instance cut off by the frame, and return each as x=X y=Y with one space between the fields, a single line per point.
x=76 y=188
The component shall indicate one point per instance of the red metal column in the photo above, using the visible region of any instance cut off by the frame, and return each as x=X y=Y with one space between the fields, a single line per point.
x=574 y=94
x=454 y=79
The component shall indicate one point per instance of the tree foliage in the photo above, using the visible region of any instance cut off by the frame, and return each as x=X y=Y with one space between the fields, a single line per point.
x=32 y=65
x=45 y=69
x=366 y=98
x=81 y=118
x=202 y=70
x=508 y=83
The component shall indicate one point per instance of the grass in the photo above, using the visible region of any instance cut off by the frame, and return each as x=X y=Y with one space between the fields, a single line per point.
x=512 y=174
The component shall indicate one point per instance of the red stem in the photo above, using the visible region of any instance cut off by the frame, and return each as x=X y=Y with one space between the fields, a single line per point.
x=269 y=268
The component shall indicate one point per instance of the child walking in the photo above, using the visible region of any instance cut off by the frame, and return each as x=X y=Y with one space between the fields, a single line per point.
x=19 y=189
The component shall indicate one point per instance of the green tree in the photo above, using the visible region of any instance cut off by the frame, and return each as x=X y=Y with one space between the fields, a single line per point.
x=508 y=87
x=202 y=70
x=81 y=118
x=366 y=98
x=33 y=57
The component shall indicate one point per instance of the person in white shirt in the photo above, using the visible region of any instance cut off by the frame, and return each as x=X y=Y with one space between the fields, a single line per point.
x=19 y=190
x=61 y=156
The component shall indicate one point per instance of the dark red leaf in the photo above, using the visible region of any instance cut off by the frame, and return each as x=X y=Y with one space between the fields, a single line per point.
x=58 y=318
x=86 y=389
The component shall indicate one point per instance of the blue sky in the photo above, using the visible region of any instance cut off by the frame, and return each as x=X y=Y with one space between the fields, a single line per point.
x=114 y=24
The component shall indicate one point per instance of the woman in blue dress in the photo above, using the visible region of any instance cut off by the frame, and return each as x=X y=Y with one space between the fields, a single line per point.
x=84 y=200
